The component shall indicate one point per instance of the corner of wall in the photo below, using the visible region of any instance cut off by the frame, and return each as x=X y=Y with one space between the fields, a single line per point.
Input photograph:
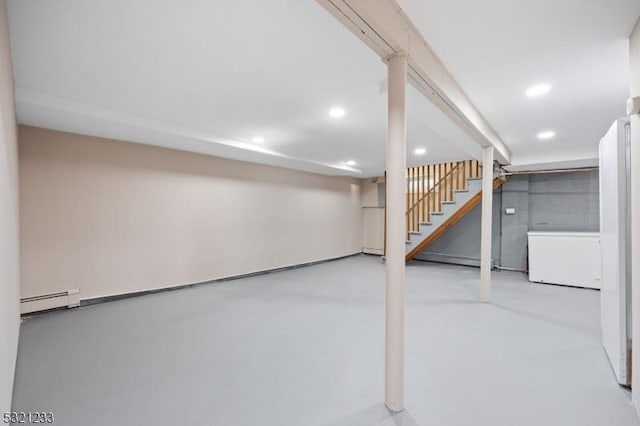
x=9 y=220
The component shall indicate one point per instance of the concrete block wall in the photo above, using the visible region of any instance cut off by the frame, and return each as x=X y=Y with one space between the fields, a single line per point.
x=564 y=202
x=513 y=238
x=461 y=244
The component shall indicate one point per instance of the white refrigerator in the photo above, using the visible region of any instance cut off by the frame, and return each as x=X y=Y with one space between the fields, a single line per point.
x=615 y=242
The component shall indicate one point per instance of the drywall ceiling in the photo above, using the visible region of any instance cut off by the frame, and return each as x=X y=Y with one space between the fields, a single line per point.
x=496 y=49
x=211 y=76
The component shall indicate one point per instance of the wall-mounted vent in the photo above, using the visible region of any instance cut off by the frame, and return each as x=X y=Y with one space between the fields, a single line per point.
x=68 y=299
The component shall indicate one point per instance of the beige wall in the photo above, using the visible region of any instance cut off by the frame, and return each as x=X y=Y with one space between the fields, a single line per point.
x=634 y=55
x=9 y=260
x=112 y=217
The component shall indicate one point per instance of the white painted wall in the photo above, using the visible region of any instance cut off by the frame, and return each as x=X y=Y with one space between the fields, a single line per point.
x=9 y=225
x=370 y=196
x=112 y=217
x=634 y=58
x=634 y=55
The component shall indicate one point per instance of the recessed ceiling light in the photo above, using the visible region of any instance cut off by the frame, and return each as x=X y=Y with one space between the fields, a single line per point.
x=351 y=163
x=546 y=135
x=420 y=151
x=538 y=90
x=337 y=112
x=257 y=139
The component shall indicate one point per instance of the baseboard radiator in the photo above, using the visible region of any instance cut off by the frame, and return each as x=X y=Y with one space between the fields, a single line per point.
x=64 y=299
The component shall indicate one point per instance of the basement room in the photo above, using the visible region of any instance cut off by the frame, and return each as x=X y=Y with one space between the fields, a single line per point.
x=320 y=212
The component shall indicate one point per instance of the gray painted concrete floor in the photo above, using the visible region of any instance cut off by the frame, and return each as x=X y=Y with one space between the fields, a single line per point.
x=306 y=347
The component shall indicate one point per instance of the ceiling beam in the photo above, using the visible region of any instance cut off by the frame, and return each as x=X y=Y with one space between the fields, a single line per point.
x=386 y=29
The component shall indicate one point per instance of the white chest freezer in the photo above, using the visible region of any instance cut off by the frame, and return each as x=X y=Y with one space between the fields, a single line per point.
x=567 y=258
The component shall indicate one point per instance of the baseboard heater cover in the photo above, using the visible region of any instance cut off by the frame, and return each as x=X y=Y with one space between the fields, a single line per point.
x=64 y=299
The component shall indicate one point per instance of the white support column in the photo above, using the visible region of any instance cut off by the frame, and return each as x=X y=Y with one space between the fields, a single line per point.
x=396 y=232
x=487 y=219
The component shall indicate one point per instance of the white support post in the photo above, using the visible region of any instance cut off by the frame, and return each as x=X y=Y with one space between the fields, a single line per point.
x=396 y=232
x=487 y=219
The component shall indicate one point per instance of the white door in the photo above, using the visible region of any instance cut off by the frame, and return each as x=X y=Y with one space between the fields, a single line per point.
x=373 y=230
x=613 y=295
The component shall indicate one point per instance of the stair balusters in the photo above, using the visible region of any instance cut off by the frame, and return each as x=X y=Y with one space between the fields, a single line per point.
x=430 y=185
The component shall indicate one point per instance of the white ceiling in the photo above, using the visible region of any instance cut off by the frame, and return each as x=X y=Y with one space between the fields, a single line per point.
x=209 y=76
x=497 y=48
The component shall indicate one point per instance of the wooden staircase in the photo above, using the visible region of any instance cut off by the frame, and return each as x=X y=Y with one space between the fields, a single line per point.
x=438 y=196
x=431 y=235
